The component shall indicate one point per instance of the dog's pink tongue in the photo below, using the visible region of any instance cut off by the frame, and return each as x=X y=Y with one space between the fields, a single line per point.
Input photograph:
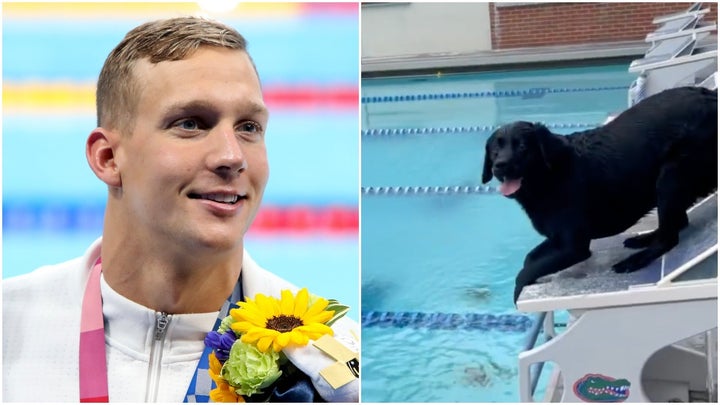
x=510 y=187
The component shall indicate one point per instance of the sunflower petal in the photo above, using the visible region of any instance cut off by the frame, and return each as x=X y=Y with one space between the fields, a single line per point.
x=301 y=303
x=287 y=303
x=242 y=327
x=275 y=305
x=266 y=306
x=264 y=343
x=249 y=339
x=315 y=330
x=322 y=317
x=255 y=317
x=247 y=306
x=255 y=334
x=298 y=338
x=271 y=306
x=283 y=339
x=317 y=307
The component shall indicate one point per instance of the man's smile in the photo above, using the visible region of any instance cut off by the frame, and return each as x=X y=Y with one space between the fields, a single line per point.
x=225 y=198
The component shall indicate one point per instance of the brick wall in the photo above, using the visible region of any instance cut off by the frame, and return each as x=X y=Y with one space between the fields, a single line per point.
x=541 y=24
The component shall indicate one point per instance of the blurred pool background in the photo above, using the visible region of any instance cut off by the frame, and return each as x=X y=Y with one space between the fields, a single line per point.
x=307 y=56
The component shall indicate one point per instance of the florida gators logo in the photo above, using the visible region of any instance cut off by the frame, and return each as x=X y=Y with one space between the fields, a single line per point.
x=601 y=388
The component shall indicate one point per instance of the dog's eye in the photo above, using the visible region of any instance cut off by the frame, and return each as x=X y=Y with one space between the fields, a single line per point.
x=500 y=142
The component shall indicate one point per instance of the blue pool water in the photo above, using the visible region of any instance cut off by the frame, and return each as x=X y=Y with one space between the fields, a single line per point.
x=432 y=254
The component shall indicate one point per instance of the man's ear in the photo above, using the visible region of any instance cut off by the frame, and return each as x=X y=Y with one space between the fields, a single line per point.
x=100 y=150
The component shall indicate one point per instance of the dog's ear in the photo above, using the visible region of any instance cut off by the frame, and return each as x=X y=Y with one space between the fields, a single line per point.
x=554 y=148
x=487 y=166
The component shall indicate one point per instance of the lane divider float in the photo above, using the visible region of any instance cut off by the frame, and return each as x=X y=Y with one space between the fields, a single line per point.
x=447 y=321
x=527 y=93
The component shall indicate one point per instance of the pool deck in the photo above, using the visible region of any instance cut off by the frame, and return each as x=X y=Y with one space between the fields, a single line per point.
x=563 y=55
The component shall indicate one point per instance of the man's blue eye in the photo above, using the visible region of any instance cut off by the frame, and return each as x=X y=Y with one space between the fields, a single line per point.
x=250 y=127
x=188 y=124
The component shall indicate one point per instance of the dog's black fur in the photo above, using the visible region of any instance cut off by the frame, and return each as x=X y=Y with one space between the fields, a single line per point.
x=660 y=153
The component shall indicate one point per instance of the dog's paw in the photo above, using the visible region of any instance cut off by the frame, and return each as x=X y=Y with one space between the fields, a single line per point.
x=640 y=241
x=633 y=263
x=623 y=267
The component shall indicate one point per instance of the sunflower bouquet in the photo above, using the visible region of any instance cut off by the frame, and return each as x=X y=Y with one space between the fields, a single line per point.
x=247 y=355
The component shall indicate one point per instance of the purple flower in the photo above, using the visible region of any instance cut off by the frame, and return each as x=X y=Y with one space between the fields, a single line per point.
x=221 y=343
x=213 y=340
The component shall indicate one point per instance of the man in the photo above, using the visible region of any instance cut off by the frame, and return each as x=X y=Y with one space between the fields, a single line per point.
x=180 y=145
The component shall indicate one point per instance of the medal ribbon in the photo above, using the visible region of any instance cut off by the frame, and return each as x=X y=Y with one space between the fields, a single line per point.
x=93 y=356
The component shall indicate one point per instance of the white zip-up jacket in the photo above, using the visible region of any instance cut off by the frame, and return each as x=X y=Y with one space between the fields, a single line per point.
x=41 y=330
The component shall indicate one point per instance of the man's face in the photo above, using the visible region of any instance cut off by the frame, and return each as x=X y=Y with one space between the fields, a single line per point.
x=195 y=167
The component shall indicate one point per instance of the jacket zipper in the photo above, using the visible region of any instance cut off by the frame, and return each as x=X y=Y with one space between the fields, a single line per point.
x=162 y=320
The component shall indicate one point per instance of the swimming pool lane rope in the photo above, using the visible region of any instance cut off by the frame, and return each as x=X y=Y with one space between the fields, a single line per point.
x=462 y=129
x=428 y=190
x=447 y=321
x=527 y=93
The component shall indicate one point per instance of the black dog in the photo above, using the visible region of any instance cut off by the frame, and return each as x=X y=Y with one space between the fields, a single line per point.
x=660 y=153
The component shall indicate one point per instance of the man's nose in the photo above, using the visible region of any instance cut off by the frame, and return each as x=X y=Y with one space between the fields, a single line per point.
x=226 y=154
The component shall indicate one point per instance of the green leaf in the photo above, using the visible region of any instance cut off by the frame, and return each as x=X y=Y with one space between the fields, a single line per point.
x=339 y=309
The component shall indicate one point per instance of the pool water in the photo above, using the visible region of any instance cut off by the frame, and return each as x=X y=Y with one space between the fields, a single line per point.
x=454 y=253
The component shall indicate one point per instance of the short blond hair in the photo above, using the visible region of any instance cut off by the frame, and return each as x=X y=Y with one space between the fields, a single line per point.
x=158 y=41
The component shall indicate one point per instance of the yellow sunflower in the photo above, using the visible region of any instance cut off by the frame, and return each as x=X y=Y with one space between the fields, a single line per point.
x=269 y=322
x=224 y=392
